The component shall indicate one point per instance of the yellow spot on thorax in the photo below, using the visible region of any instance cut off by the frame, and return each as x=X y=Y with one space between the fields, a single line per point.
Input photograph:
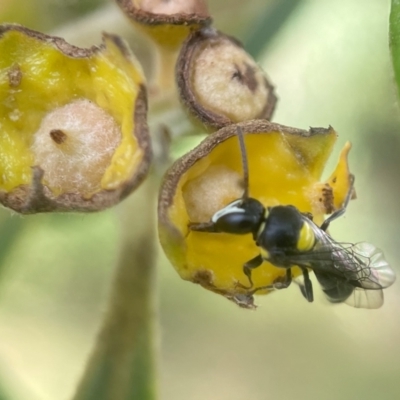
x=306 y=238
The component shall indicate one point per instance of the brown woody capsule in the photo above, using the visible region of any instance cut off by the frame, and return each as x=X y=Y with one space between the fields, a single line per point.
x=168 y=23
x=220 y=83
x=73 y=132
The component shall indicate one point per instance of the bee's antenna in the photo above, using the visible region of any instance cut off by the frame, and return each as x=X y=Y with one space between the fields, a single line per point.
x=245 y=164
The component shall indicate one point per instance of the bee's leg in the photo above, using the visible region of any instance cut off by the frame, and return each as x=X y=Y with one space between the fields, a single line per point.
x=285 y=283
x=248 y=267
x=332 y=217
x=202 y=226
x=278 y=284
x=307 y=289
x=308 y=215
x=338 y=213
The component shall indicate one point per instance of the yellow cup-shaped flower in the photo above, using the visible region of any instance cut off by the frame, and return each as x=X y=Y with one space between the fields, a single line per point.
x=73 y=133
x=285 y=167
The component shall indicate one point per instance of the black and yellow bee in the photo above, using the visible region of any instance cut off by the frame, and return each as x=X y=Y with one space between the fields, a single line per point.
x=350 y=273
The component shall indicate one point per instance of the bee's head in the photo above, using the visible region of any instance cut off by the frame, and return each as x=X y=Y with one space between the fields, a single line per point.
x=285 y=230
x=239 y=217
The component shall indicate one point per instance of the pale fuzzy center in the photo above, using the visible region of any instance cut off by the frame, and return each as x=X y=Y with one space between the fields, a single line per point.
x=74 y=145
x=227 y=81
x=170 y=7
x=210 y=192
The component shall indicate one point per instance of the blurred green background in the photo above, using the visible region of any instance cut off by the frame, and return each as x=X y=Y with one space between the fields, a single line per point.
x=330 y=63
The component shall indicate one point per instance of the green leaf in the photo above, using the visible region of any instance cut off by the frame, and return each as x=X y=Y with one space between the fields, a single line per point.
x=394 y=38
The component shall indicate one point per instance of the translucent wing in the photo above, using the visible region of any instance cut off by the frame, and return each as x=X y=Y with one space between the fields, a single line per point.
x=350 y=273
x=362 y=298
x=380 y=270
x=380 y=273
x=361 y=264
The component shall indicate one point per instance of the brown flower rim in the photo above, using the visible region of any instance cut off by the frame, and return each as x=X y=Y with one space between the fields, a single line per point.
x=149 y=18
x=183 y=72
x=35 y=197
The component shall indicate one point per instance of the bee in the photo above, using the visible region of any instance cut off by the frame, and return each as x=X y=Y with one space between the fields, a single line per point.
x=351 y=273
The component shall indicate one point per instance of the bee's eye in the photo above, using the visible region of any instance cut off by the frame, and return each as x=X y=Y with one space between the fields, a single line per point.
x=237 y=222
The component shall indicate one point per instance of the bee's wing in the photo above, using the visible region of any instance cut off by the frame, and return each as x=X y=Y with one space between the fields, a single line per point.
x=380 y=271
x=362 y=264
x=362 y=298
x=380 y=274
x=350 y=273
x=370 y=269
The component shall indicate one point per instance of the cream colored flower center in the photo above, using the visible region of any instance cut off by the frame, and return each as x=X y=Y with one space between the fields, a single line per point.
x=74 y=145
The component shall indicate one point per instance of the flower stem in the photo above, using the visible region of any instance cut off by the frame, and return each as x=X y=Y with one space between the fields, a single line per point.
x=164 y=80
x=122 y=365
